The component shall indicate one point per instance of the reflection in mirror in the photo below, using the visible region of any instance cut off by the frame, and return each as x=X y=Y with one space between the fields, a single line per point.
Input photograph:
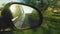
x=24 y=17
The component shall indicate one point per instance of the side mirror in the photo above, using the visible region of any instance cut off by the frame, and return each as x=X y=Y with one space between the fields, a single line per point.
x=22 y=16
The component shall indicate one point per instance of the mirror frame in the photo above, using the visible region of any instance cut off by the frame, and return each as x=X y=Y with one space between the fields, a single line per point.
x=39 y=11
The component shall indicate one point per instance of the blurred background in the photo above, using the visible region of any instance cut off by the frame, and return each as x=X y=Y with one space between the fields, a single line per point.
x=51 y=13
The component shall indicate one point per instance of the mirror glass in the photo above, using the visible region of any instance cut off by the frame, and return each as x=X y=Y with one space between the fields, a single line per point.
x=24 y=17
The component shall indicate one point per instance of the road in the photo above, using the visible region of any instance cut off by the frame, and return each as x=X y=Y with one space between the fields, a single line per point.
x=19 y=23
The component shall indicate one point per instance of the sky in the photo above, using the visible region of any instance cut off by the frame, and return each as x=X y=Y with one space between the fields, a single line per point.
x=1 y=1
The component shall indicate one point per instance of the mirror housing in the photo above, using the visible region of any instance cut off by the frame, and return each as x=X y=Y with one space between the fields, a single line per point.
x=7 y=15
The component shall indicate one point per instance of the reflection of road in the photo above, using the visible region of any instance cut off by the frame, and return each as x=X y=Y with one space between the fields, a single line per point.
x=29 y=21
x=25 y=21
x=20 y=21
